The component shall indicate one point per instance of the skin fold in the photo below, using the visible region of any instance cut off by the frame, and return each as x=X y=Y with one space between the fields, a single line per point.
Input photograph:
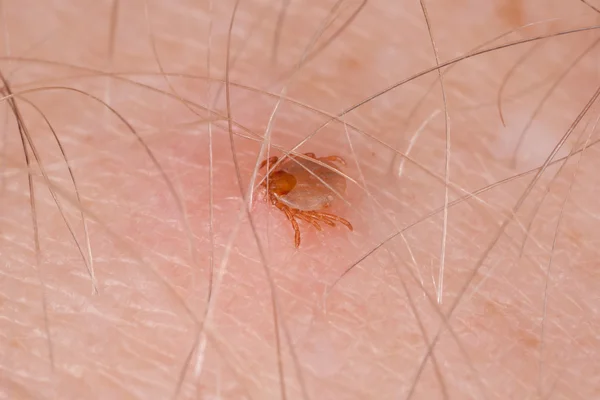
x=139 y=93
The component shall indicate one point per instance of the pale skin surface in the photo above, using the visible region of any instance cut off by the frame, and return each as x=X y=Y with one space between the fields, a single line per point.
x=524 y=319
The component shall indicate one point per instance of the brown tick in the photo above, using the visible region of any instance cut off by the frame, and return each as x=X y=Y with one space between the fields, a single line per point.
x=302 y=189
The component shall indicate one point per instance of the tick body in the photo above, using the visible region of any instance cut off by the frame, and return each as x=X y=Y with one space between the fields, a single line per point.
x=302 y=189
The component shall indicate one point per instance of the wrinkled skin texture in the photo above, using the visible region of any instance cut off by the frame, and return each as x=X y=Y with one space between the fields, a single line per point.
x=516 y=319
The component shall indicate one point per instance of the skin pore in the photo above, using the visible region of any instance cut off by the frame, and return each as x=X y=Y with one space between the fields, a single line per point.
x=471 y=270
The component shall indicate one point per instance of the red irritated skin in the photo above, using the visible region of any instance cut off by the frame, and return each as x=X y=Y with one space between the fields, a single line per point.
x=472 y=271
x=302 y=189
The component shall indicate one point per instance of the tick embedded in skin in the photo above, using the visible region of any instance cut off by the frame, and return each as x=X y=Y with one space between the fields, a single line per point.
x=302 y=189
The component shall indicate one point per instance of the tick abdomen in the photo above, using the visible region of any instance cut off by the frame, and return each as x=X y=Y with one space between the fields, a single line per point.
x=312 y=193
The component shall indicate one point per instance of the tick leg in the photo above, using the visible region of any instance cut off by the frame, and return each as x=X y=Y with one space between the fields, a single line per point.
x=292 y=219
x=290 y=216
x=333 y=158
x=268 y=162
x=332 y=218
x=311 y=155
x=296 y=231
x=309 y=219
x=317 y=217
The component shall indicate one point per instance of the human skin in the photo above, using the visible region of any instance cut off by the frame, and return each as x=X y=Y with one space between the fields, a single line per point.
x=348 y=315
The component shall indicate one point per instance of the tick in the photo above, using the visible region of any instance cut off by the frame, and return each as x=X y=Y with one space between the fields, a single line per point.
x=302 y=189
